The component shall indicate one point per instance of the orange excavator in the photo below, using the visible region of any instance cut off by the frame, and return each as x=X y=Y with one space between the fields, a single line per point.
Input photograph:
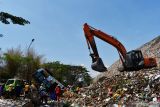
x=131 y=61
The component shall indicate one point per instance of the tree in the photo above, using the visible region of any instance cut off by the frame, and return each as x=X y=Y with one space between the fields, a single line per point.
x=16 y=64
x=32 y=62
x=69 y=74
x=4 y=18
x=13 y=61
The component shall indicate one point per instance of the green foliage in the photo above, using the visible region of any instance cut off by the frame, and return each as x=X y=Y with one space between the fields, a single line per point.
x=69 y=74
x=4 y=75
x=33 y=62
x=16 y=64
x=15 y=20
x=13 y=61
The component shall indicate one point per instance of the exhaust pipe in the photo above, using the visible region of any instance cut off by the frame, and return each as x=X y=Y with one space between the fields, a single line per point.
x=98 y=65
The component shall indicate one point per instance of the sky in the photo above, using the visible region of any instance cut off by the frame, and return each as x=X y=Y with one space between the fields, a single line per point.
x=57 y=27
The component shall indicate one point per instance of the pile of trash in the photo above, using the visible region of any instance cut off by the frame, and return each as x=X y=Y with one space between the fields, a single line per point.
x=15 y=103
x=127 y=88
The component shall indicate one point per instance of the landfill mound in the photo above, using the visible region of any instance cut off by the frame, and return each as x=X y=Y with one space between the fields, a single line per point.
x=125 y=88
x=132 y=89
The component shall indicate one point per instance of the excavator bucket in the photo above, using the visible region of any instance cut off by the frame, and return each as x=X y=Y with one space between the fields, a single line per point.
x=98 y=65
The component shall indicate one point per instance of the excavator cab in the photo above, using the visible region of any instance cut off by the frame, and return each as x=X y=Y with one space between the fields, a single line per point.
x=134 y=60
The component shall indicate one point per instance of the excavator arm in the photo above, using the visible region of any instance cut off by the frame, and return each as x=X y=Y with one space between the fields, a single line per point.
x=90 y=32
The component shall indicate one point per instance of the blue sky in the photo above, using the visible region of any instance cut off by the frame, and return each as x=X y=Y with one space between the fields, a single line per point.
x=57 y=27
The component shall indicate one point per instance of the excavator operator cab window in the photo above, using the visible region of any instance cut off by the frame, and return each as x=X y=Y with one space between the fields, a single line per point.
x=134 y=58
x=137 y=58
x=137 y=55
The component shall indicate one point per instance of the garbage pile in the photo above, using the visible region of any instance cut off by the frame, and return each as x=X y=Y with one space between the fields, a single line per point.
x=15 y=103
x=127 y=88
